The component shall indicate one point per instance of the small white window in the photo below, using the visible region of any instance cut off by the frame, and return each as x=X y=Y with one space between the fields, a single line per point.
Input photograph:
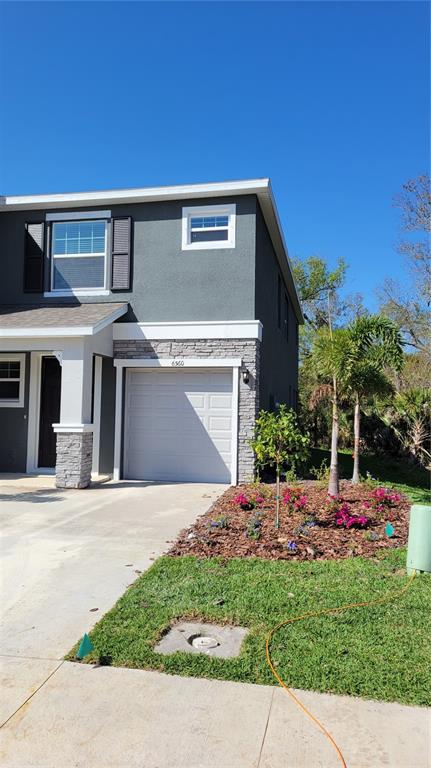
x=210 y=226
x=79 y=256
x=12 y=369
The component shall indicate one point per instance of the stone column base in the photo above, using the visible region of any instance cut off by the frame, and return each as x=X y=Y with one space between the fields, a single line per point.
x=74 y=459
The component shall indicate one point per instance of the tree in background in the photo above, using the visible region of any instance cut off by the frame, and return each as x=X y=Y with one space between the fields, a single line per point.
x=409 y=416
x=409 y=305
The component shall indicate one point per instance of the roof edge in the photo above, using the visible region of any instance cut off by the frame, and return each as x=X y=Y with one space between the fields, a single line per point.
x=137 y=194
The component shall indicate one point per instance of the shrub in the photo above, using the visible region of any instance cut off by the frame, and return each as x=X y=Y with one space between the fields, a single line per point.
x=340 y=509
x=295 y=500
x=381 y=500
x=248 y=502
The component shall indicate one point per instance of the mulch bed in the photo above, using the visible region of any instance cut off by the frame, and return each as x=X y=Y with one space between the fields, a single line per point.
x=325 y=540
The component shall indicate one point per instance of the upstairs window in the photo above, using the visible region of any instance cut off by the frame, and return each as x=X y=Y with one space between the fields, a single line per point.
x=79 y=255
x=212 y=226
x=12 y=381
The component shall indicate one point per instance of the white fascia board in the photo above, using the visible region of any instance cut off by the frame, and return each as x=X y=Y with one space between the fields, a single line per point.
x=178 y=363
x=67 y=331
x=137 y=195
x=41 y=333
x=211 y=329
x=77 y=428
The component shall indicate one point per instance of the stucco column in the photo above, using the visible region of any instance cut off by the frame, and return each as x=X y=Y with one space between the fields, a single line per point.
x=75 y=430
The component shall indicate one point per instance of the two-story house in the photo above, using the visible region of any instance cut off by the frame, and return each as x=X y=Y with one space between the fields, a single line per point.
x=142 y=329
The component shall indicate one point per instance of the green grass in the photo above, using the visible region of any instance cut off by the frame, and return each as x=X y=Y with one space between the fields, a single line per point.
x=380 y=652
x=414 y=481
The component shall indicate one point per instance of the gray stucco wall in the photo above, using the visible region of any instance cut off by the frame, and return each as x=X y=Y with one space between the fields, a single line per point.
x=279 y=357
x=14 y=430
x=168 y=283
x=107 y=418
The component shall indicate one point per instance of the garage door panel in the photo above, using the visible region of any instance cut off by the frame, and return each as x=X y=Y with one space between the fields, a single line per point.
x=178 y=425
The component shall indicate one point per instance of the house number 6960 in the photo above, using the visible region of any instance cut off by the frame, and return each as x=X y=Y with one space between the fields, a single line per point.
x=177 y=363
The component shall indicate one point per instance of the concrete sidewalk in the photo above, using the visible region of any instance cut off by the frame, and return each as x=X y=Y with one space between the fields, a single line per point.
x=86 y=717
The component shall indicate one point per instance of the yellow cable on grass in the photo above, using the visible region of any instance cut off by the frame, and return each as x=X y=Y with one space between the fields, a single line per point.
x=299 y=703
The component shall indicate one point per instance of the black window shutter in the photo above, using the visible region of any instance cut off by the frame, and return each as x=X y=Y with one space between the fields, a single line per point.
x=34 y=257
x=121 y=253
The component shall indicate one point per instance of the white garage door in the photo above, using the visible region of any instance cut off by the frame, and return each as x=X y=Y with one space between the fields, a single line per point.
x=178 y=425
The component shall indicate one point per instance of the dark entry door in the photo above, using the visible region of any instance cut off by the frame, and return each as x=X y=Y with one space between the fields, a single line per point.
x=50 y=387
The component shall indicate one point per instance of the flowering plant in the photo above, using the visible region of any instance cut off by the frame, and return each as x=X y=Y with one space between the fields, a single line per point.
x=381 y=500
x=295 y=500
x=248 y=502
x=254 y=526
x=344 y=517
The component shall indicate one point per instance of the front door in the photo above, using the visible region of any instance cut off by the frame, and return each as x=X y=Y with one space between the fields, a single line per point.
x=50 y=388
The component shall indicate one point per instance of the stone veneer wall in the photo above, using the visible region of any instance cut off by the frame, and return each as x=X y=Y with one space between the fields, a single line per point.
x=74 y=459
x=247 y=349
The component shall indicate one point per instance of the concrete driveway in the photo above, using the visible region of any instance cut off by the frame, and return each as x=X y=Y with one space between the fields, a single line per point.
x=65 y=554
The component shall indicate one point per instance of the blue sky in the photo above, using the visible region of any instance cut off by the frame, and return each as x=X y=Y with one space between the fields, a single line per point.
x=328 y=99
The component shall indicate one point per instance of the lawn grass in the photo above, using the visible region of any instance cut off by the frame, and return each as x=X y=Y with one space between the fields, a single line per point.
x=390 y=471
x=380 y=652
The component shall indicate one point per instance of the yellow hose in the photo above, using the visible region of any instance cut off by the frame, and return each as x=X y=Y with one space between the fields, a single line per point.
x=299 y=703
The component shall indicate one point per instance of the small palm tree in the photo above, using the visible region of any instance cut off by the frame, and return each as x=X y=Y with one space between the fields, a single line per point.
x=352 y=359
x=372 y=345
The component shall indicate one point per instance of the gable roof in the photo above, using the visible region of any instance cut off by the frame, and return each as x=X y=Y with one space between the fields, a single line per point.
x=259 y=187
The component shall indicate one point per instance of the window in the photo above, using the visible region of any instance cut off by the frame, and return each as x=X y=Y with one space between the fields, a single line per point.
x=12 y=381
x=212 y=226
x=79 y=255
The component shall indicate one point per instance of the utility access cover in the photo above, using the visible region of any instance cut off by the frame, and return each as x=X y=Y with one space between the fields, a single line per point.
x=209 y=639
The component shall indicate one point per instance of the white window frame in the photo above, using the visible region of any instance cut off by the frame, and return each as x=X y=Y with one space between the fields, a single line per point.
x=19 y=403
x=102 y=291
x=192 y=212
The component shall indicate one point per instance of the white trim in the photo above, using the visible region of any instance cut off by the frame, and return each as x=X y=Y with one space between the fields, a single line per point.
x=178 y=362
x=235 y=418
x=97 y=406
x=20 y=358
x=78 y=428
x=209 y=329
x=66 y=331
x=233 y=362
x=118 y=423
x=34 y=414
x=78 y=292
x=215 y=210
x=77 y=215
x=137 y=194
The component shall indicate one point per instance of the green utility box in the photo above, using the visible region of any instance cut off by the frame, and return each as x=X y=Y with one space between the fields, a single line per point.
x=419 y=546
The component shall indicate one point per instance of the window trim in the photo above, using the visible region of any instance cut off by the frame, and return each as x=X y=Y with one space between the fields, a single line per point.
x=77 y=218
x=195 y=211
x=5 y=403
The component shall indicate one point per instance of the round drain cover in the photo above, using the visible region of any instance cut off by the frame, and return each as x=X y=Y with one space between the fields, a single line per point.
x=203 y=642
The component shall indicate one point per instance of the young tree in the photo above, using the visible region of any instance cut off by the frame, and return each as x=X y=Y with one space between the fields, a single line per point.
x=327 y=357
x=372 y=344
x=278 y=442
